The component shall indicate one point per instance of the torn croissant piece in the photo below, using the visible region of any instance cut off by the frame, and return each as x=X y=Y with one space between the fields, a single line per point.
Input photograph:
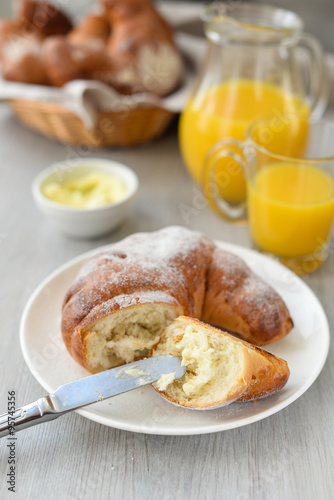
x=220 y=368
x=129 y=293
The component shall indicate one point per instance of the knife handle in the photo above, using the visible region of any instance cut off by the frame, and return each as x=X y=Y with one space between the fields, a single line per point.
x=27 y=416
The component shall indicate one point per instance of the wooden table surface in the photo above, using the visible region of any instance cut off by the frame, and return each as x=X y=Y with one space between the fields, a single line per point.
x=289 y=455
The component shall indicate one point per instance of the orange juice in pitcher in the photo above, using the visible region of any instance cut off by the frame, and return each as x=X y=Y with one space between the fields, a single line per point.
x=249 y=72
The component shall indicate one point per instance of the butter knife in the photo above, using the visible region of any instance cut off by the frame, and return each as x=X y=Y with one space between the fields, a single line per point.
x=90 y=390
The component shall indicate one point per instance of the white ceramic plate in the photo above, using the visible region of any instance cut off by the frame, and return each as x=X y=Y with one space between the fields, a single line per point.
x=143 y=410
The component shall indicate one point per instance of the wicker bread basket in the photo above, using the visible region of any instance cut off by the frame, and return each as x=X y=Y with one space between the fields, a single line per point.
x=113 y=128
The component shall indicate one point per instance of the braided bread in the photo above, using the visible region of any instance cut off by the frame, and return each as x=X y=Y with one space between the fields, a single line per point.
x=126 y=295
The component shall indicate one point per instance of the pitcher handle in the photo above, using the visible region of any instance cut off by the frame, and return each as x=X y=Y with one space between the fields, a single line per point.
x=232 y=212
x=319 y=78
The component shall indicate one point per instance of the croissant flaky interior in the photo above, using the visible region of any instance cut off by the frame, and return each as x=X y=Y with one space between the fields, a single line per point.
x=126 y=44
x=127 y=294
x=220 y=368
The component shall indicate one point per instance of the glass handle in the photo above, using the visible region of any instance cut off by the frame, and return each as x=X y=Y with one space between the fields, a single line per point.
x=212 y=181
x=319 y=78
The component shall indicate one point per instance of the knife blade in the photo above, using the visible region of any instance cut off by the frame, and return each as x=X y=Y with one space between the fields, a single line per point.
x=89 y=390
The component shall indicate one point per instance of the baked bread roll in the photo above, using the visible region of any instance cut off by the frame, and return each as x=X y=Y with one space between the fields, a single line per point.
x=21 y=54
x=126 y=295
x=138 y=56
x=81 y=54
x=220 y=368
x=65 y=61
x=92 y=27
x=128 y=46
x=21 y=41
x=143 y=39
x=9 y=30
x=126 y=9
x=43 y=18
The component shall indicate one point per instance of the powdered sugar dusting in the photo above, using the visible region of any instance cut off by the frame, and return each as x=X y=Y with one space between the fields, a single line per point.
x=236 y=274
x=235 y=289
x=166 y=247
x=171 y=266
x=166 y=261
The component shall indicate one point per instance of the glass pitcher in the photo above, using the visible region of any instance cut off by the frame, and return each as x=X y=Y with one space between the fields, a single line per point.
x=250 y=71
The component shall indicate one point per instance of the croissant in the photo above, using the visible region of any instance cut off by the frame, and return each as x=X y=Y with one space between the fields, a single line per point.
x=220 y=368
x=126 y=295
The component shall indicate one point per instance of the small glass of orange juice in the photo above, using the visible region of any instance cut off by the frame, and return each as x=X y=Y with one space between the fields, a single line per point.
x=290 y=199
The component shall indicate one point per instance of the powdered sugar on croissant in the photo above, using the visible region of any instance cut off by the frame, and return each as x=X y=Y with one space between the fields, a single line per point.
x=126 y=295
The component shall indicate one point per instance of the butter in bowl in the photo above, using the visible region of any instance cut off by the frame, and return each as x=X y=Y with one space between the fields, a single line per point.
x=85 y=198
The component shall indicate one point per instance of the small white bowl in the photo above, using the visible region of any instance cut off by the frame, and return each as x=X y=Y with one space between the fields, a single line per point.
x=84 y=222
